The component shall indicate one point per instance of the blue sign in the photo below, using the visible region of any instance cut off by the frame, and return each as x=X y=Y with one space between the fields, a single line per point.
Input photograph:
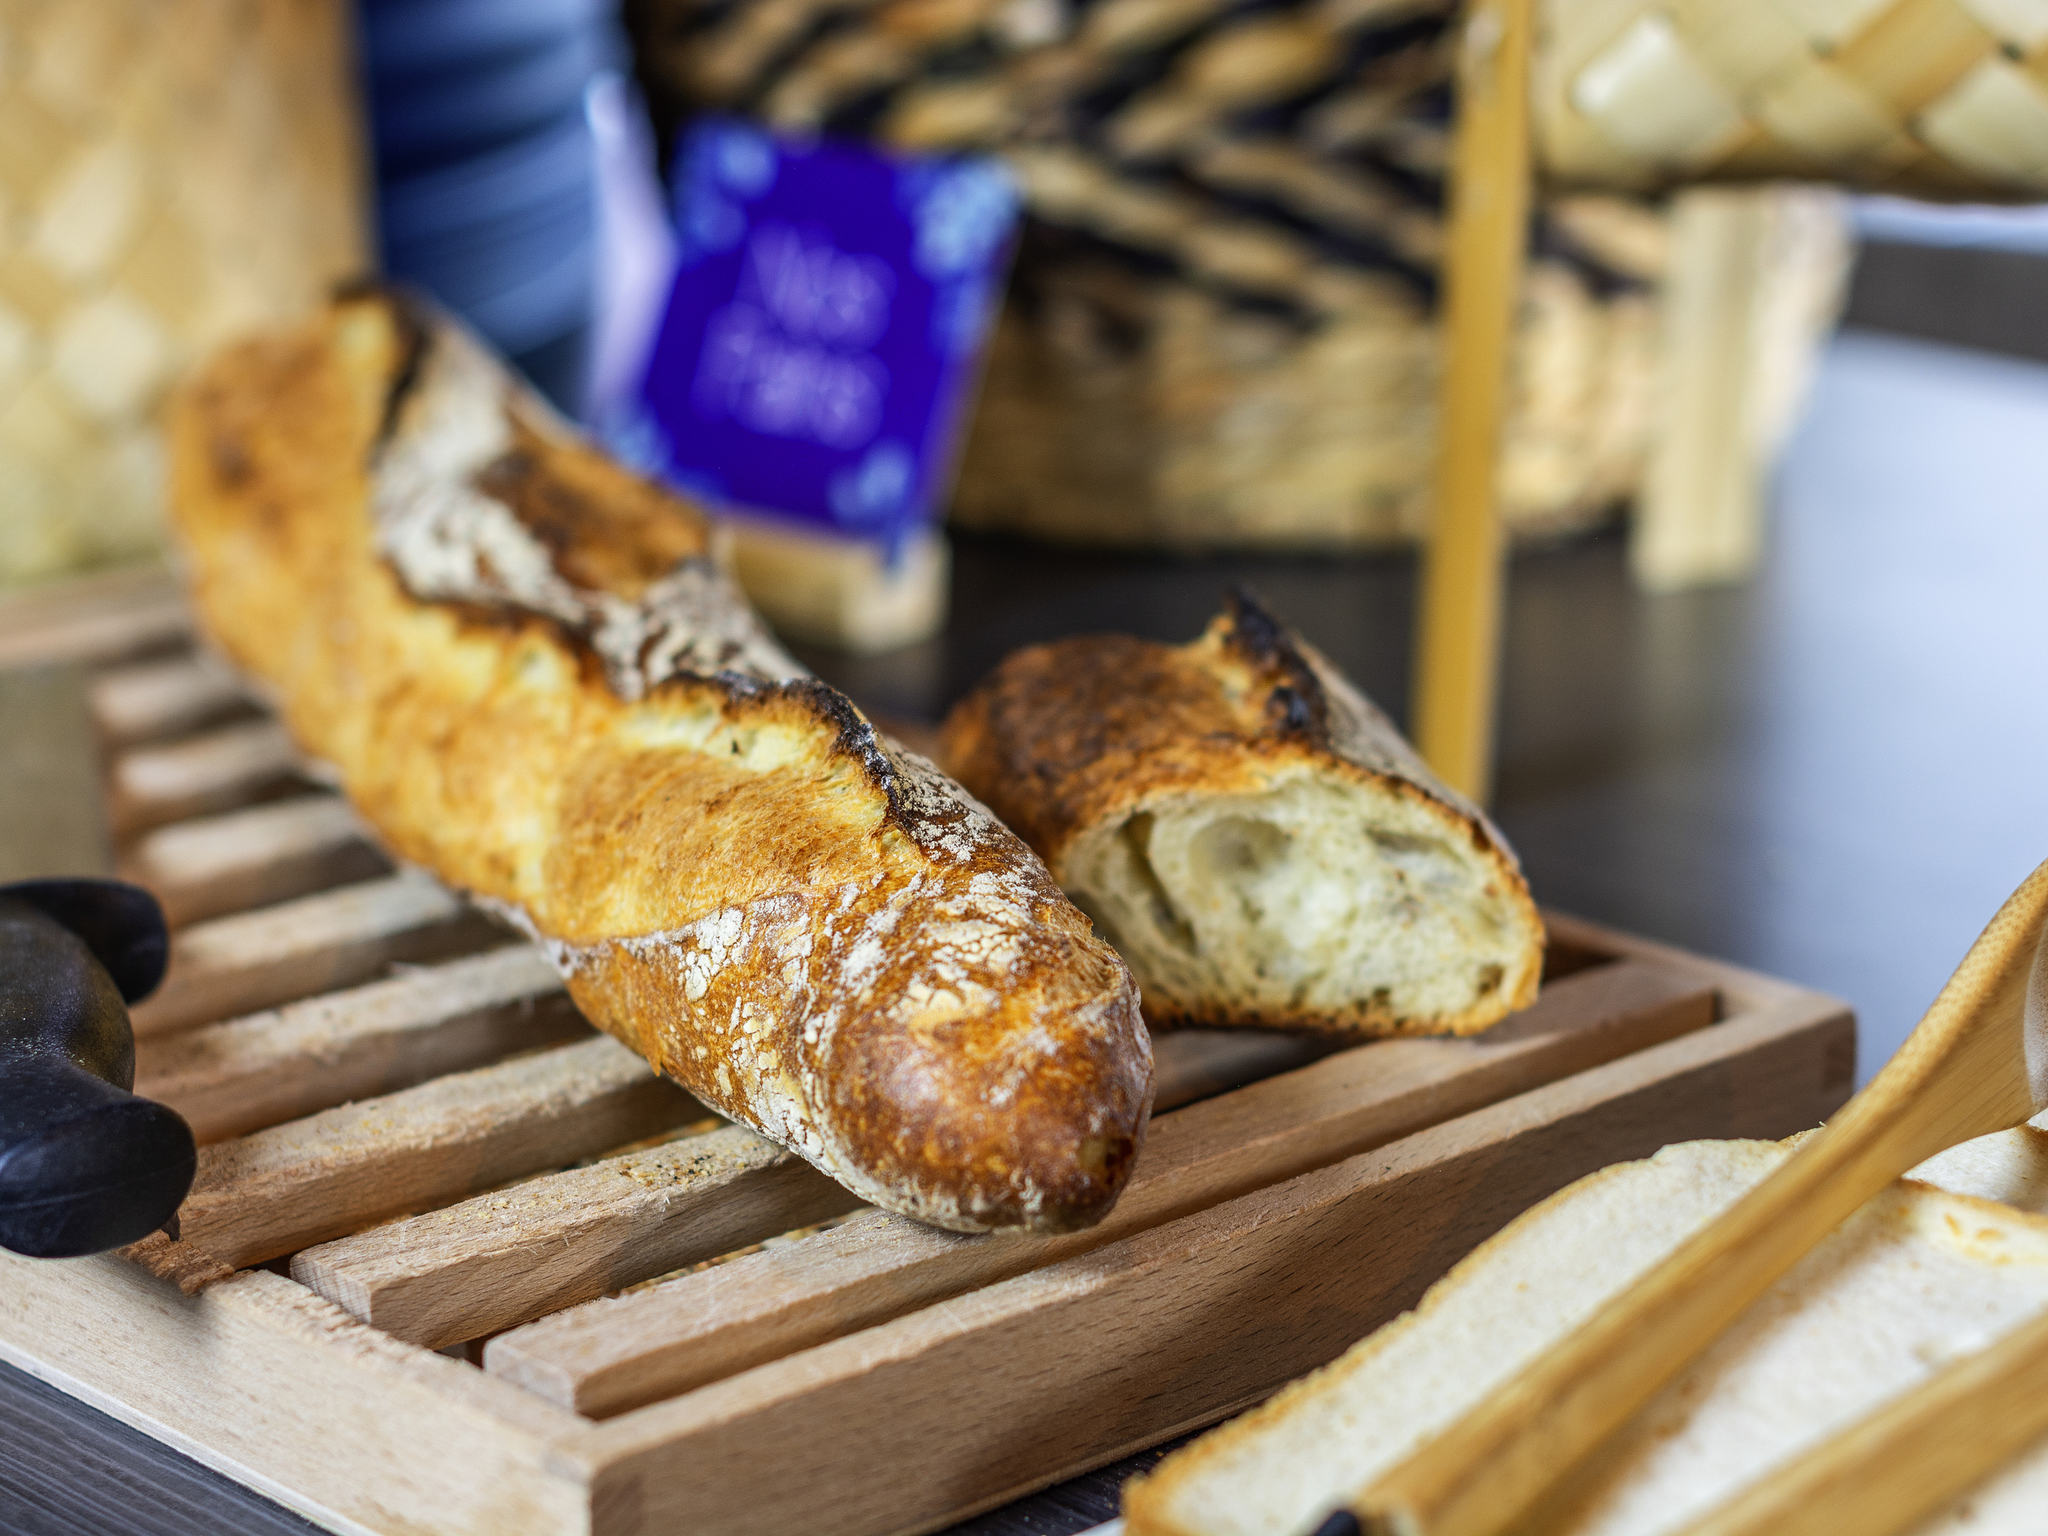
x=827 y=312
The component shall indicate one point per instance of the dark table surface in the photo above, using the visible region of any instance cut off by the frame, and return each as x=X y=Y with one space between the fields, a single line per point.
x=1834 y=771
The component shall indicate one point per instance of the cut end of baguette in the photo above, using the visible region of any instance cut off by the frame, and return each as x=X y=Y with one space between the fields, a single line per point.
x=1315 y=900
x=1252 y=834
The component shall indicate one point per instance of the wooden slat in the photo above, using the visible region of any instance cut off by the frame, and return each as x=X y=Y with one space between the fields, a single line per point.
x=50 y=821
x=93 y=619
x=1194 y=1064
x=148 y=700
x=988 y=1396
x=1742 y=990
x=613 y=1355
x=243 y=1074
x=234 y=965
x=271 y=1385
x=223 y=768
x=212 y=865
x=278 y=1190
x=505 y=1258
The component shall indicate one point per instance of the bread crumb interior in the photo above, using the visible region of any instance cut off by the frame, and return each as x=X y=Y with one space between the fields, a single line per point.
x=1316 y=894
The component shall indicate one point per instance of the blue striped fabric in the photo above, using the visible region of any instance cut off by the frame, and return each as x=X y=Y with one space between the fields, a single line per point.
x=485 y=165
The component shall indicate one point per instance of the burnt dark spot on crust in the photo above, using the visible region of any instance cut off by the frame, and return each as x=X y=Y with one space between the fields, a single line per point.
x=1290 y=713
x=1298 y=704
x=603 y=529
x=1259 y=636
x=230 y=461
x=854 y=736
x=413 y=340
x=358 y=286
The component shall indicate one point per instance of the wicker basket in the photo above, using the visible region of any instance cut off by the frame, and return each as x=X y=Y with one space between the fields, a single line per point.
x=1943 y=98
x=1152 y=411
x=1221 y=327
x=171 y=172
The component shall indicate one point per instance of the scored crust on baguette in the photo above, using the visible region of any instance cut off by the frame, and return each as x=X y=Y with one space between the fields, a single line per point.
x=1917 y=1278
x=1251 y=833
x=528 y=673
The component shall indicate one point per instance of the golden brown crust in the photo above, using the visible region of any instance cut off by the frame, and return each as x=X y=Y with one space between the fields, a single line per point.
x=1086 y=732
x=570 y=713
x=1064 y=734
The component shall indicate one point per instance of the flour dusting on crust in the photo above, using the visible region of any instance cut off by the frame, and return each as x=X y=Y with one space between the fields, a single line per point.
x=450 y=541
x=764 y=1054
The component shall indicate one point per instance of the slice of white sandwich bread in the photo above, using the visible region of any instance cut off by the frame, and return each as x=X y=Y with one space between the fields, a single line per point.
x=1937 y=1267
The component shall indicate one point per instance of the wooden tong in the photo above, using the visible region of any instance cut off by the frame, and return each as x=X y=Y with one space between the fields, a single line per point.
x=1976 y=1063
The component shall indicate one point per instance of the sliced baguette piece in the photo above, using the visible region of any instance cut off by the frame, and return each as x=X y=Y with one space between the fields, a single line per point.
x=1253 y=835
x=1917 y=1278
x=531 y=678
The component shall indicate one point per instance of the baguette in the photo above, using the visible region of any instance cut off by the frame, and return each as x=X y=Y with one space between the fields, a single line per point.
x=1919 y=1276
x=529 y=675
x=1254 y=836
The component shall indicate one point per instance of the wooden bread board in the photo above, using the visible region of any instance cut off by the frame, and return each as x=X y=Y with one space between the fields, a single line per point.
x=456 y=1263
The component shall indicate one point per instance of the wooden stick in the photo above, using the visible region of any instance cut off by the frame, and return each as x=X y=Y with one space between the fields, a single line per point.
x=253 y=960
x=253 y=857
x=147 y=700
x=243 y=1074
x=1699 y=518
x=1458 y=638
x=1964 y=1072
x=1068 y=1367
x=614 y=1355
x=278 y=1190
x=503 y=1259
x=1904 y=1462
x=226 y=767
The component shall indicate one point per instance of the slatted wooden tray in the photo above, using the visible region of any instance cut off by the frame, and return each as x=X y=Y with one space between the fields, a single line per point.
x=455 y=1263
